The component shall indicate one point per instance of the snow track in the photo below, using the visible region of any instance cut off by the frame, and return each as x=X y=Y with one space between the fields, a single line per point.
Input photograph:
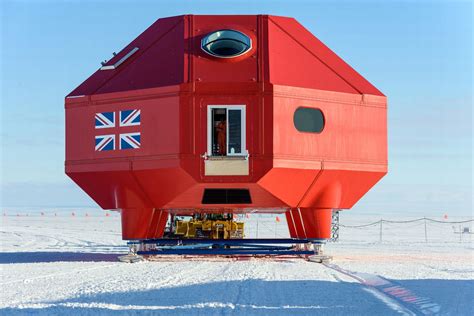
x=395 y=296
x=58 y=266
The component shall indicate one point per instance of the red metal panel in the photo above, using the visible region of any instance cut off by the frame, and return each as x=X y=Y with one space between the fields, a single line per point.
x=159 y=128
x=293 y=64
x=110 y=189
x=136 y=223
x=161 y=64
x=143 y=223
x=162 y=185
x=354 y=131
x=207 y=68
x=161 y=225
x=192 y=198
x=340 y=188
x=149 y=37
x=317 y=222
x=287 y=184
x=308 y=42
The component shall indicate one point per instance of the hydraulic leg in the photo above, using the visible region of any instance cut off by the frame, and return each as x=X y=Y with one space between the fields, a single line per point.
x=298 y=222
x=143 y=223
x=291 y=225
x=317 y=223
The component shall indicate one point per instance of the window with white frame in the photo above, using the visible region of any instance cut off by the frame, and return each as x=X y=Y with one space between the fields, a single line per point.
x=226 y=130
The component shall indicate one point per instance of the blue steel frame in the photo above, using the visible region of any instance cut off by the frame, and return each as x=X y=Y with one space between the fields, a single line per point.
x=227 y=247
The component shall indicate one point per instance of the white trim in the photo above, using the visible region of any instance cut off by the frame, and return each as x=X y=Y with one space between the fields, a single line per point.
x=302 y=223
x=75 y=96
x=243 y=129
x=293 y=221
x=121 y=60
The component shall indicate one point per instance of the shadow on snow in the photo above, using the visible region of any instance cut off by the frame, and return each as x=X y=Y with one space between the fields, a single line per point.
x=46 y=256
x=259 y=297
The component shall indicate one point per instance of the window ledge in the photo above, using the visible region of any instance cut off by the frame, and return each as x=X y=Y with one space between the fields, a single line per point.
x=243 y=157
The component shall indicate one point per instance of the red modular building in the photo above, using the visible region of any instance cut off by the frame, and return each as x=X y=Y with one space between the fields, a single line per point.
x=237 y=113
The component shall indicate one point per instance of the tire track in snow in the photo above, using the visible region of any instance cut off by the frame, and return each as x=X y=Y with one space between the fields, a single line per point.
x=59 y=240
x=81 y=282
x=394 y=296
x=222 y=307
x=114 y=280
x=124 y=280
x=53 y=275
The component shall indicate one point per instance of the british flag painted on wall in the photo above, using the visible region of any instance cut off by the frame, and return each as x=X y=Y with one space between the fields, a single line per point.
x=129 y=117
x=105 y=120
x=105 y=142
x=126 y=140
x=130 y=141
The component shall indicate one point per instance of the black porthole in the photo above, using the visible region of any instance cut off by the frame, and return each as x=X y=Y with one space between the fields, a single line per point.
x=308 y=120
x=226 y=43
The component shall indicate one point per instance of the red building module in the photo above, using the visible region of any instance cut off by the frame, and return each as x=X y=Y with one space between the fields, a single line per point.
x=213 y=114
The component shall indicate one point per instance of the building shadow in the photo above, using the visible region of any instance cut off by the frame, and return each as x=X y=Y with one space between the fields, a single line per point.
x=52 y=256
x=255 y=297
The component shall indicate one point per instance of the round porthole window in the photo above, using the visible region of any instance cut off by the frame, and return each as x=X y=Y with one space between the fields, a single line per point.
x=226 y=43
x=309 y=120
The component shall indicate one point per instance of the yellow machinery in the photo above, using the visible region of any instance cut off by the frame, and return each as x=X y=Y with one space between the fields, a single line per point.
x=211 y=226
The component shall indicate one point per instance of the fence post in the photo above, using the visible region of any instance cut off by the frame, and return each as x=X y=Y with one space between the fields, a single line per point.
x=275 y=228
x=256 y=232
x=335 y=226
x=381 y=221
x=426 y=233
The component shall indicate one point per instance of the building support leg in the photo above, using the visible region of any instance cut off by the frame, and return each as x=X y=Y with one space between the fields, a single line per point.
x=132 y=255
x=317 y=222
x=291 y=225
x=298 y=222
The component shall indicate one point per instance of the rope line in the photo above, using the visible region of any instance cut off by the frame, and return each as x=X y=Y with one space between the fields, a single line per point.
x=406 y=222
x=360 y=226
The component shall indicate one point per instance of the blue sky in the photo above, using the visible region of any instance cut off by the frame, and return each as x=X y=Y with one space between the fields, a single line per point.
x=419 y=53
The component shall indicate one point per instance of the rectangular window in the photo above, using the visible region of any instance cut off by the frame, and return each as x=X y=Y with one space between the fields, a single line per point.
x=234 y=132
x=226 y=196
x=226 y=130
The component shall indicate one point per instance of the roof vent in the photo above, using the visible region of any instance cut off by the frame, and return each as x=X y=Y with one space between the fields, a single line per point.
x=226 y=43
x=120 y=61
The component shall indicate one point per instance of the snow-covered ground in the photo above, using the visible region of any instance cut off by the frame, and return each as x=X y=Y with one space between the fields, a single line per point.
x=64 y=264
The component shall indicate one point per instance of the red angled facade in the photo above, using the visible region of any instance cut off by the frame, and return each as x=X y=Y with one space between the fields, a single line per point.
x=238 y=113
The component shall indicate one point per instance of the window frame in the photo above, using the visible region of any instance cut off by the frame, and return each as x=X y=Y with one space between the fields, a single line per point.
x=243 y=131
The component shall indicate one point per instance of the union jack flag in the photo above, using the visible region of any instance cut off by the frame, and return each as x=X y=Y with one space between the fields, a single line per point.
x=105 y=120
x=130 y=141
x=105 y=142
x=130 y=117
x=126 y=140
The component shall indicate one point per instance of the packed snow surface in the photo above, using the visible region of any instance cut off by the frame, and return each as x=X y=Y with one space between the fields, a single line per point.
x=60 y=264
